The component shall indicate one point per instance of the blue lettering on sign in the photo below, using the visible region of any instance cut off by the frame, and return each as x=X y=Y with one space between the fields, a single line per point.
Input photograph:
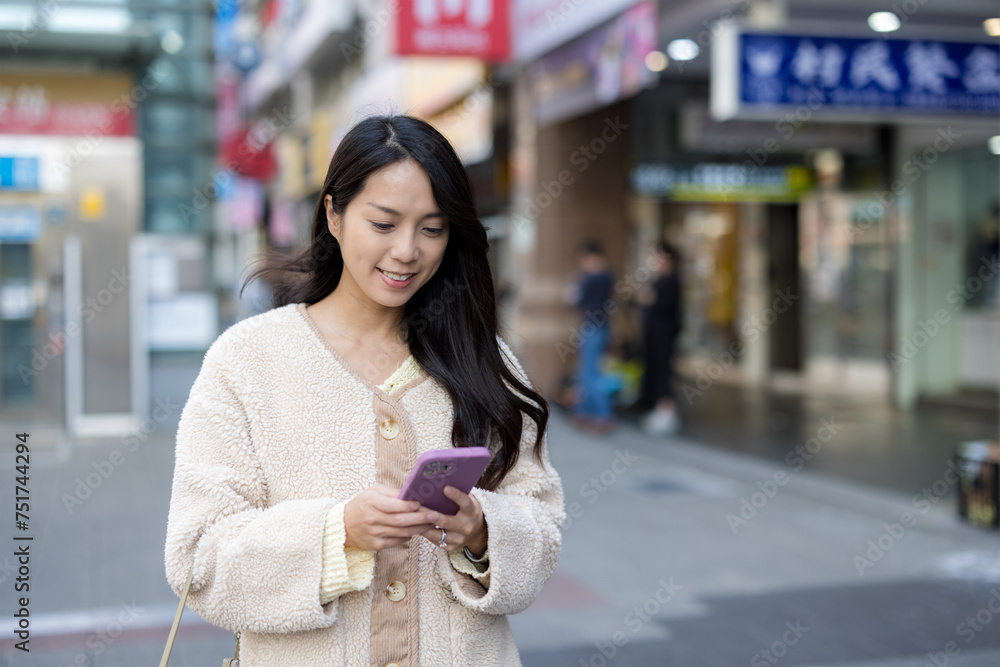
x=847 y=73
x=20 y=224
x=19 y=173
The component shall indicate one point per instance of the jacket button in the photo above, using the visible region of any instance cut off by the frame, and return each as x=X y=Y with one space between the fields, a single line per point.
x=389 y=429
x=395 y=591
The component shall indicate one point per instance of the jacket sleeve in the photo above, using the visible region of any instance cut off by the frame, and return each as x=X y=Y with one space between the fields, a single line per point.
x=257 y=567
x=524 y=517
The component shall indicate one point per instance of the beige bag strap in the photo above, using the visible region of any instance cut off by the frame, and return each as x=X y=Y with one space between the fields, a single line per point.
x=177 y=620
x=229 y=662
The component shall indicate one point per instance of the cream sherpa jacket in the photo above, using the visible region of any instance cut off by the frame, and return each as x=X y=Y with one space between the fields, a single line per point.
x=277 y=434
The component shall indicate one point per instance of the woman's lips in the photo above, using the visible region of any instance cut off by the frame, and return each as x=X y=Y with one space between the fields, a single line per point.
x=392 y=282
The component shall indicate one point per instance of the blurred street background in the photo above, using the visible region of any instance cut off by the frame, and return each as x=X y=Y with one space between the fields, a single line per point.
x=828 y=173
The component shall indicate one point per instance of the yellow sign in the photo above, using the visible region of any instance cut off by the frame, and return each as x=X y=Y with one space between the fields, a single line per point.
x=93 y=205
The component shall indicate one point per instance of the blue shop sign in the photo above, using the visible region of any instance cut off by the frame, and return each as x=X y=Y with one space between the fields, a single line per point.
x=20 y=224
x=19 y=173
x=873 y=74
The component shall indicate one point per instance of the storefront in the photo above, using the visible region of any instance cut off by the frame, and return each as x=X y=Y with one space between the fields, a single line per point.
x=945 y=343
x=896 y=249
x=748 y=203
x=70 y=188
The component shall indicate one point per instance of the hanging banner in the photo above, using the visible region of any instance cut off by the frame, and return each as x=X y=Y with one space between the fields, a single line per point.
x=594 y=70
x=760 y=73
x=540 y=26
x=477 y=28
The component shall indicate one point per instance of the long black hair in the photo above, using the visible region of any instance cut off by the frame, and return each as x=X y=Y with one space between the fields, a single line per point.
x=450 y=323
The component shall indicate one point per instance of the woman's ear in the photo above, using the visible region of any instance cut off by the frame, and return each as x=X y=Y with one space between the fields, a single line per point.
x=332 y=219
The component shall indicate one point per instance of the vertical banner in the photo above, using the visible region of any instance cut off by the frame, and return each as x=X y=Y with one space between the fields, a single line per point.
x=476 y=28
x=596 y=69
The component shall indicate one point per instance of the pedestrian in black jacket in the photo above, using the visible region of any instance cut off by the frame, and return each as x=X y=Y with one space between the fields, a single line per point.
x=661 y=325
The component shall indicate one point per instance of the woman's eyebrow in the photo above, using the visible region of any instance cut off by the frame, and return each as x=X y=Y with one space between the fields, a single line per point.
x=392 y=211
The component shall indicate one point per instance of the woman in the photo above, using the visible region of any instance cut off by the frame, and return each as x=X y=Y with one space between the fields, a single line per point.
x=305 y=420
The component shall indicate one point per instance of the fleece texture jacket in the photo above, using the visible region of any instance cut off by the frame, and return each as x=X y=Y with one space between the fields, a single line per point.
x=278 y=431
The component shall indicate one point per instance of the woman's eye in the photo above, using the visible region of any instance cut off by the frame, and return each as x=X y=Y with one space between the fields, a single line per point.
x=381 y=226
x=435 y=231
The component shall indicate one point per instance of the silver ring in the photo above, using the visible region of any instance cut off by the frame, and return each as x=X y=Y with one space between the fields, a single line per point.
x=444 y=536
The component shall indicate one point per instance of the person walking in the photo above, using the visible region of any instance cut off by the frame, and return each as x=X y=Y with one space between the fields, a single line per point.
x=661 y=325
x=592 y=294
x=304 y=421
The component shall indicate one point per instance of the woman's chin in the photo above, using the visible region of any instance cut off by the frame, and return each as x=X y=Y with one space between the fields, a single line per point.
x=390 y=298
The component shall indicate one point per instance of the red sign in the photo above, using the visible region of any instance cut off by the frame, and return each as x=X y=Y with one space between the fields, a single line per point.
x=477 y=28
x=68 y=105
x=249 y=154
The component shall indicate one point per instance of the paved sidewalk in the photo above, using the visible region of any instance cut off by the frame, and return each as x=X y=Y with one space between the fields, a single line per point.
x=667 y=565
x=659 y=567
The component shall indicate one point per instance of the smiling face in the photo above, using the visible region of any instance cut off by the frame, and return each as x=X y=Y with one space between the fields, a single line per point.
x=392 y=236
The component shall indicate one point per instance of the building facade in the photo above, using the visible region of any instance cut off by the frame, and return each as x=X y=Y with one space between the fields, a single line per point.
x=105 y=137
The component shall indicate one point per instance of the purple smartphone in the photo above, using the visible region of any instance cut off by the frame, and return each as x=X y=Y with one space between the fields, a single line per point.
x=460 y=467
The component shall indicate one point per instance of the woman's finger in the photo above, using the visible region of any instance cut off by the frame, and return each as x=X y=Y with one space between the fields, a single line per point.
x=453 y=540
x=460 y=498
x=408 y=519
x=395 y=505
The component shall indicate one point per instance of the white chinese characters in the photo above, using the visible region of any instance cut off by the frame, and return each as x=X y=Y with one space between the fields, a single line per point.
x=928 y=66
x=823 y=66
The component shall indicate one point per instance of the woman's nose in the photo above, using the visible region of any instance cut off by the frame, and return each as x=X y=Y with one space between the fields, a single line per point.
x=404 y=248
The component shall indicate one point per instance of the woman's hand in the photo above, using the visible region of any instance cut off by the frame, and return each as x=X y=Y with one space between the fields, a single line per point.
x=376 y=519
x=465 y=529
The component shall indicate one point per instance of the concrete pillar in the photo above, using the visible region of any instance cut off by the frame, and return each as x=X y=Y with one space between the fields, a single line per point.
x=574 y=187
x=754 y=293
